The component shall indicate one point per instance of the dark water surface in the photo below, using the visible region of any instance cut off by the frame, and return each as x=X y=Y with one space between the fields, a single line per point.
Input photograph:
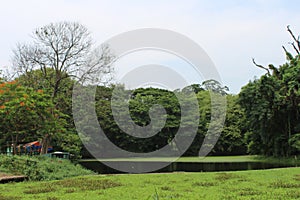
x=99 y=167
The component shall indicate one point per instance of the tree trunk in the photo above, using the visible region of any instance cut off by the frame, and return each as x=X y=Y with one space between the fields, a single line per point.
x=14 y=142
x=45 y=144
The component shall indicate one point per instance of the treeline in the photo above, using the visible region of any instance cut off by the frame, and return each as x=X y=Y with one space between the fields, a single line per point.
x=28 y=114
x=37 y=104
x=271 y=104
x=272 y=107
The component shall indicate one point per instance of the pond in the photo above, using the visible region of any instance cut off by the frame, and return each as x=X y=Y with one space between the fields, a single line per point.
x=100 y=167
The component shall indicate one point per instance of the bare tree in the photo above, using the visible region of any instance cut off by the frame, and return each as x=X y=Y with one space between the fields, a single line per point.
x=58 y=52
x=66 y=48
x=297 y=40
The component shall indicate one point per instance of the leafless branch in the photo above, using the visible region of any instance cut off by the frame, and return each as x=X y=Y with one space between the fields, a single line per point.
x=65 y=48
x=293 y=44
x=260 y=66
x=295 y=39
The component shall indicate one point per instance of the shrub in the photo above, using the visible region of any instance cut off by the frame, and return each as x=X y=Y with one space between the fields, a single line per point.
x=41 y=168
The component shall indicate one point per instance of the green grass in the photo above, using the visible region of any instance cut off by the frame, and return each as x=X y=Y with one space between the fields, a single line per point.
x=257 y=184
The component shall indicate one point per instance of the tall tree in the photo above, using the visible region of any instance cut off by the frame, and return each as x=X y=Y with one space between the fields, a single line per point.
x=271 y=105
x=66 y=48
x=60 y=54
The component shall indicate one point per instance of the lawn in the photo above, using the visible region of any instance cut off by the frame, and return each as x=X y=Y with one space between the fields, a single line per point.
x=261 y=184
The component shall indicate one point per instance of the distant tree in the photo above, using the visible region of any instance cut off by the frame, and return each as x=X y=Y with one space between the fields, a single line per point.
x=215 y=86
x=193 y=88
x=139 y=104
x=66 y=48
x=232 y=139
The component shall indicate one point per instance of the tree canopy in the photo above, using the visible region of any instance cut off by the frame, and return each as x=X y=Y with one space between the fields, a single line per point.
x=271 y=104
x=26 y=114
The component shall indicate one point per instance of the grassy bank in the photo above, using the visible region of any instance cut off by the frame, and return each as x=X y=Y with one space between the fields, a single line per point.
x=261 y=184
x=40 y=167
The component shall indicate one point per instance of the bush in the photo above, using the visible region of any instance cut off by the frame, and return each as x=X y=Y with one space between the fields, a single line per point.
x=41 y=168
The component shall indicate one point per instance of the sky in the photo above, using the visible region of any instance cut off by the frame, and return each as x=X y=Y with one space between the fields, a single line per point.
x=231 y=32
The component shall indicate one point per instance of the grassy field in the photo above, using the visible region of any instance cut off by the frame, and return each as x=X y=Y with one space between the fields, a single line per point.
x=262 y=184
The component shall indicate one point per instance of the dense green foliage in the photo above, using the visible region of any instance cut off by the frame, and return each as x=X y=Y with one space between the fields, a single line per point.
x=68 y=139
x=272 y=106
x=64 y=136
x=38 y=168
x=141 y=100
x=264 y=184
x=27 y=114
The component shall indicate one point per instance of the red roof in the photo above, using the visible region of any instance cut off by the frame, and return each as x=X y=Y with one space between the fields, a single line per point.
x=35 y=143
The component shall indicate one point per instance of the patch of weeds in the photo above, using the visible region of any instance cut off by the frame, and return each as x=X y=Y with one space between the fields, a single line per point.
x=282 y=184
x=249 y=192
x=188 y=190
x=70 y=190
x=259 y=184
x=73 y=185
x=292 y=194
x=228 y=197
x=297 y=177
x=40 y=190
x=8 y=197
x=155 y=196
x=226 y=176
x=52 y=198
x=88 y=184
x=205 y=184
x=174 y=196
x=167 y=188
x=147 y=182
x=242 y=179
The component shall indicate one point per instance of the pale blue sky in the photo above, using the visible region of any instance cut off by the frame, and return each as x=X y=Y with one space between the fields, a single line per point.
x=231 y=32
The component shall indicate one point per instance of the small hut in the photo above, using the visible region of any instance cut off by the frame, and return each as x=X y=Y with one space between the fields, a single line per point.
x=34 y=148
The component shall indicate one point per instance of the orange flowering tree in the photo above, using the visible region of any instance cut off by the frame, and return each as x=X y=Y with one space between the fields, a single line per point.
x=26 y=115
